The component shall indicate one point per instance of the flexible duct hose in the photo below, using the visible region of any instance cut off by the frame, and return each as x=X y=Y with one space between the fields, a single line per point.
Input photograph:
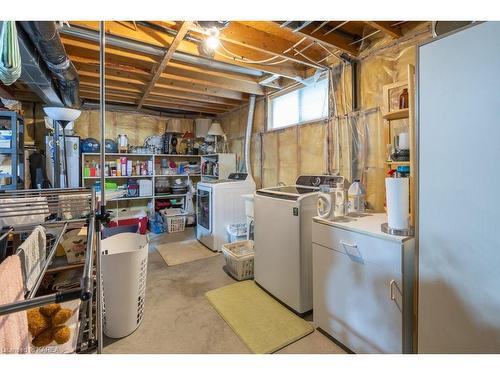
x=45 y=37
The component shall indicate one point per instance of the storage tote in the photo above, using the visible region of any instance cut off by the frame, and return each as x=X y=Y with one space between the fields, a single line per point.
x=124 y=272
x=239 y=258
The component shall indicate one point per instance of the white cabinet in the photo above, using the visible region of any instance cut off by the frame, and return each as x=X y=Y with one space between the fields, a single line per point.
x=362 y=293
x=217 y=166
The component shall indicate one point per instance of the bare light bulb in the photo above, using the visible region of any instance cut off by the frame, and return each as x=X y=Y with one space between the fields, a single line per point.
x=212 y=41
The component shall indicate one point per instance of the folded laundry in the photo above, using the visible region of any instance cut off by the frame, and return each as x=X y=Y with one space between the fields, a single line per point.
x=68 y=279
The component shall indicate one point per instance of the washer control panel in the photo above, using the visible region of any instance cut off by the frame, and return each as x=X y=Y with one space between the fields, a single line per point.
x=318 y=180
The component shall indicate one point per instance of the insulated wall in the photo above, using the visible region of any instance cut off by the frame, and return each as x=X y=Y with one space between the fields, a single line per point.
x=351 y=142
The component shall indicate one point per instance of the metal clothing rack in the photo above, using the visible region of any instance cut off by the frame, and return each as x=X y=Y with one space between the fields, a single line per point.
x=78 y=206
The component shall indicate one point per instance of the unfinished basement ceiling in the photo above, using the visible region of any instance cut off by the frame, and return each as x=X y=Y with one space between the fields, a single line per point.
x=159 y=64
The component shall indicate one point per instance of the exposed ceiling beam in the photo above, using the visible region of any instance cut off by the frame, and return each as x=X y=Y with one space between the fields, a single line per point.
x=331 y=40
x=242 y=35
x=386 y=27
x=156 y=38
x=176 y=71
x=129 y=85
x=164 y=62
x=127 y=99
x=179 y=86
x=271 y=81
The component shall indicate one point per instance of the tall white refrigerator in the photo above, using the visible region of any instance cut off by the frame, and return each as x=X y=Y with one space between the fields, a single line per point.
x=458 y=223
x=73 y=161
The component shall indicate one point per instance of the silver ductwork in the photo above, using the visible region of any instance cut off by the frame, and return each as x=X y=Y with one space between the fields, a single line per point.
x=45 y=37
x=36 y=75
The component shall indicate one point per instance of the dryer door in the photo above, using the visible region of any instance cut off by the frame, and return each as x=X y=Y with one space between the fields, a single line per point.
x=204 y=208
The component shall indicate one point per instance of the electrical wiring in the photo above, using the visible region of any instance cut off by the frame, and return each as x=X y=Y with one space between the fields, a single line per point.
x=305 y=57
x=243 y=59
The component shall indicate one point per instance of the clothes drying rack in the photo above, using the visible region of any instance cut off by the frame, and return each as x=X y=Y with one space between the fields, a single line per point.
x=58 y=211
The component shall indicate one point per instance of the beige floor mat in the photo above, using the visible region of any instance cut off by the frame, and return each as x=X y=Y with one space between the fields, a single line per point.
x=175 y=253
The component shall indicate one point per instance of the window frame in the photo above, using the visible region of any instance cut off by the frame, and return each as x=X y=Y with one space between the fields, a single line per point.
x=287 y=90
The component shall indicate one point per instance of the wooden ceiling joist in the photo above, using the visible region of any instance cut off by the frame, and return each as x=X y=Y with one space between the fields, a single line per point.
x=93 y=87
x=161 y=39
x=385 y=26
x=167 y=93
x=175 y=72
x=158 y=70
x=242 y=35
x=151 y=102
x=332 y=40
x=151 y=66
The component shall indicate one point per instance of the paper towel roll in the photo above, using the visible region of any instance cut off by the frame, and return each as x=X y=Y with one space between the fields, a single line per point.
x=403 y=141
x=398 y=202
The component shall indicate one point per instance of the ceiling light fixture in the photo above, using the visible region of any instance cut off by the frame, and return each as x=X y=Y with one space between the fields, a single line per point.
x=212 y=41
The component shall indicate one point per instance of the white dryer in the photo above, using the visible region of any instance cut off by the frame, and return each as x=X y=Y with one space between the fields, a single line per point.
x=283 y=239
x=218 y=204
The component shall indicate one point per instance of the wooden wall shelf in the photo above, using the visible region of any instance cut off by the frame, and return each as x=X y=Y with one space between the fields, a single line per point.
x=397 y=115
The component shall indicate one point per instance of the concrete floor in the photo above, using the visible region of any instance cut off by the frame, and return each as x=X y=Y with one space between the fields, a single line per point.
x=179 y=319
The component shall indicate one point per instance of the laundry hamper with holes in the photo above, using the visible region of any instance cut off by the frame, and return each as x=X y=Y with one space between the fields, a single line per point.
x=124 y=271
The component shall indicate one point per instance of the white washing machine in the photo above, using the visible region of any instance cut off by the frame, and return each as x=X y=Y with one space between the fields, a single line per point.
x=218 y=204
x=283 y=239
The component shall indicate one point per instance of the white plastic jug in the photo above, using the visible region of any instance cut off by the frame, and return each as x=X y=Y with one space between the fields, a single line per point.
x=356 y=198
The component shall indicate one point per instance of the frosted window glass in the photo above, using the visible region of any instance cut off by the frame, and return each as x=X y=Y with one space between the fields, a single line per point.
x=308 y=103
x=285 y=110
x=314 y=101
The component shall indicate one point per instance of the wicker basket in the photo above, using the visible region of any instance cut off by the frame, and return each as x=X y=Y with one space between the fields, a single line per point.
x=175 y=218
x=239 y=259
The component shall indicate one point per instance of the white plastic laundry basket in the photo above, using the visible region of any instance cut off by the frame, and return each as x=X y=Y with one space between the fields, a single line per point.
x=124 y=271
x=239 y=258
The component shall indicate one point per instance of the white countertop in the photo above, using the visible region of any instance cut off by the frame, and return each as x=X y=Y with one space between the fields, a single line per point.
x=368 y=224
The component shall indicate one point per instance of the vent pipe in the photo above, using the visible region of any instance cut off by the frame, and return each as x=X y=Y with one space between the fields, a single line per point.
x=248 y=134
x=45 y=37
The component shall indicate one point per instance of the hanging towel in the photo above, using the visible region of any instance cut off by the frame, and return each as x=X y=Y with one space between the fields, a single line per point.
x=33 y=254
x=10 y=57
x=14 y=336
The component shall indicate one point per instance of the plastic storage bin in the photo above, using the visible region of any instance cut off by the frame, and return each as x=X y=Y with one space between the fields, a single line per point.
x=124 y=272
x=139 y=218
x=175 y=219
x=239 y=258
x=236 y=232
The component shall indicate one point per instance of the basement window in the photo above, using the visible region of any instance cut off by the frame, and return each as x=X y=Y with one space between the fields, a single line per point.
x=300 y=105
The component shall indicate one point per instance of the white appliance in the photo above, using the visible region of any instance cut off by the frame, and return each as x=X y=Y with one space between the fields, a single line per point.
x=457 y=218
x=363 y=284
x=325 y=206
x=73 y=160
x=218 y=204
x=283 y=219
